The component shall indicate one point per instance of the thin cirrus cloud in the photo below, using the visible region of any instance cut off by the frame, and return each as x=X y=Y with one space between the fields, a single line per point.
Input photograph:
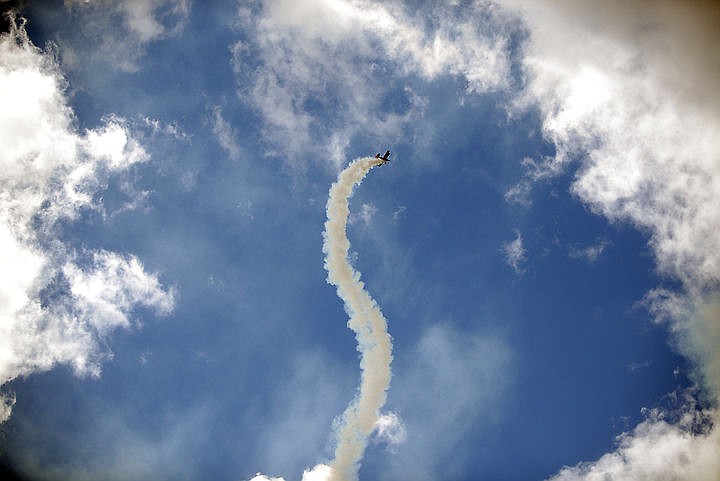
x=60 y=301
x=469 y=374
x=120 y=48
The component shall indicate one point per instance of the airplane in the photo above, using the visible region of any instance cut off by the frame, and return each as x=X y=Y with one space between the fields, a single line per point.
x=384 y=158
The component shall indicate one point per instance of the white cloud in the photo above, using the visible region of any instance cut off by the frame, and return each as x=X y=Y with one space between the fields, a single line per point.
x=320 y=472
x=306 y=74
x=694 y=320
x=636 y=366
x=649 y=151
x=649 y=155
x=262 y=477
x=589 y=253
x=630 y=91
x=143 y=21
x=296 y=428
x=655 y=450
x=367 y=212
x=56 y=302
x=448 y=387
x=171 y=129
x=515 y=253
x=106 y=291
x=7 y=401
x=225 y=133
x=112 y=145
x=108 y=443
x=390 y=429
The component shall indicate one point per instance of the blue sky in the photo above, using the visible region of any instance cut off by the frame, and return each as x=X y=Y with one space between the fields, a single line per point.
x=543 y=244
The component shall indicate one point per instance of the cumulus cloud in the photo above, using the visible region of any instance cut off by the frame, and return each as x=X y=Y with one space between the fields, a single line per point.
x=309 y=90
x=615 y=101
x=655 y=450
x=630 y=92
x=649 y=155
x=58 y=301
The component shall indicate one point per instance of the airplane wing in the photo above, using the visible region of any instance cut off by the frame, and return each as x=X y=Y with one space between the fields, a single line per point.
x=384 y=158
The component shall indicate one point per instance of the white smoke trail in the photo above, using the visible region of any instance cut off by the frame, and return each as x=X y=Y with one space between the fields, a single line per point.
x=366 y=320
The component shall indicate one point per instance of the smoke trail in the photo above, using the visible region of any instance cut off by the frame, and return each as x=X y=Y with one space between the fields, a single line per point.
x=366 y=320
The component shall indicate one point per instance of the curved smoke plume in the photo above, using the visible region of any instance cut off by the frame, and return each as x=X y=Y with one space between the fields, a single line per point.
x=366 y=320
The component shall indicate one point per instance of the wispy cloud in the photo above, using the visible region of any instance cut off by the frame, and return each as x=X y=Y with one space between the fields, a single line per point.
x=449 y=385
x=309 y=91
x=225 y=133
x=637 y=366
x=143 y=21
x=589 y=253
x=515 y=253
x=399 y=212
x=367 y=211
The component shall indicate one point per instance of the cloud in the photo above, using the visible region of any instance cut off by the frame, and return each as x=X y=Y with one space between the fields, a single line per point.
x=112 y=443
x=308 y=90
x=7 y=401
x=628 y=92
x=447 y=387
x=399 y=213
x=296 y=427
x=367 y=212
x=515 y=253
x=225 y=133
x=389 y=429
x=648 y=150
x=636 y=366
x=143 y=21
x=615 y=101
x=59 y=301
x=589 y=253
x=321 y=472
x=694 y=320
x=655 y=450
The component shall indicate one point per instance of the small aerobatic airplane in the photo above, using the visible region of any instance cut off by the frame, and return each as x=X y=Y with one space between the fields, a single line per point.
x=384 y=158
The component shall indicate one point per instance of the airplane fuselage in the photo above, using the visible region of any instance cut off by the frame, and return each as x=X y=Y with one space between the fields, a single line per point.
x=383 y=158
